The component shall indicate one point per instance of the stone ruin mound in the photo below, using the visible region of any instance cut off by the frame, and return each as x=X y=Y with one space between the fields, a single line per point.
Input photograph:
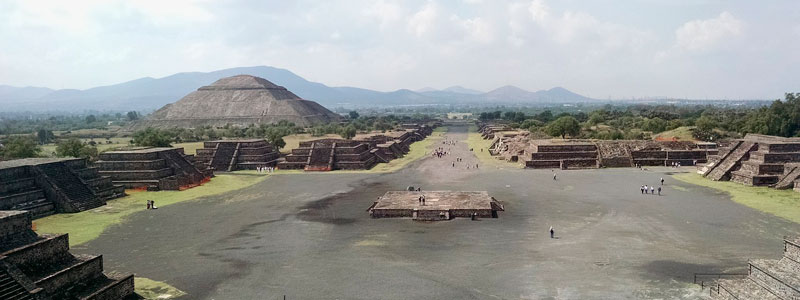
x=41 y=266
x=43 y=186
x=760 y=160
x=153 y=169
x=232 y=155
x=361 y=153
x=239 y=101
x=579 y=154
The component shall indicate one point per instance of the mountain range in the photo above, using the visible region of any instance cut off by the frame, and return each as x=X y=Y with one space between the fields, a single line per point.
x=152 y=93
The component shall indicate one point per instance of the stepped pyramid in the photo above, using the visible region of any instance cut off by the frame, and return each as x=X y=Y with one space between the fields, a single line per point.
x=239 y=100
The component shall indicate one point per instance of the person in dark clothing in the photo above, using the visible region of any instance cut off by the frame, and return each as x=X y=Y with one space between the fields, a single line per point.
x=552 y=232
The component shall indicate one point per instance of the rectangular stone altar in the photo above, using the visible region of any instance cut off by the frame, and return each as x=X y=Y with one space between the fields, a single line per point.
x=439 y=205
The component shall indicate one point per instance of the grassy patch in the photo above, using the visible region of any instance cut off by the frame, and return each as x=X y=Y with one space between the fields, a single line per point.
x=683 y=133
x=189 y=148
x=782 y=203
x=293 y=141
x=88 y=225
x=416 y=151
x=476 y=142
x=151 y=289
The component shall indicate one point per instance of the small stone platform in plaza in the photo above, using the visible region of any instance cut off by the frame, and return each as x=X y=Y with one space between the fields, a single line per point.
x=438 y=205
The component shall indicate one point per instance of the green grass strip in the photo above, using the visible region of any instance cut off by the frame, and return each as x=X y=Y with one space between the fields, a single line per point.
x=151 y=289
x=88 y=225
x=781 y=203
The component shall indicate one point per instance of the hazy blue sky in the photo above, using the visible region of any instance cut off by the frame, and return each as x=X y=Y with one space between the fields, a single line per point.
x=600 y=48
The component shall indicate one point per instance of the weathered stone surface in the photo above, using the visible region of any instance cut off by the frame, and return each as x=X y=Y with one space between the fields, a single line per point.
x=153 y=169
x=439 y=205
x=41 y=267
x=231 y=155
x=240 y=101
x=45 y=186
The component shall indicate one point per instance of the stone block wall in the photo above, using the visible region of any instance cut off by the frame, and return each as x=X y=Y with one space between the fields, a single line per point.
x=44 y=267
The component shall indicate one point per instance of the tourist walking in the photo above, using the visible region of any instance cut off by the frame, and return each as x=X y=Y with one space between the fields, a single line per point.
x=642 y=189
x=662 y=180
x=645 y=189
x=659 y=191
x=554 y=176
x=652 y=190
x=552 y=232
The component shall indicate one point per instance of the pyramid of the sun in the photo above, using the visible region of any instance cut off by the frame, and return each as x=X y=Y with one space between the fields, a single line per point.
x=239 y=100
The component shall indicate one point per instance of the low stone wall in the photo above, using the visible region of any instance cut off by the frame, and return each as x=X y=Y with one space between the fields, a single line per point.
x=81 y=272
x=616 y=162
x=12 y=224
x=782 y=147
x=543 y=164
x=40 y=254
x=118 y=290
x=565 y=148
x=132 y=165
x=562 y=155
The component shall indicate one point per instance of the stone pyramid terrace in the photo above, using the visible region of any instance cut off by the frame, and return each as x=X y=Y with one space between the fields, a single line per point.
x=758 y=160
x=330 y=154
x=41 y=267
x=438 y=206
x=232 y=155
x=45 y=186
x=153 y=169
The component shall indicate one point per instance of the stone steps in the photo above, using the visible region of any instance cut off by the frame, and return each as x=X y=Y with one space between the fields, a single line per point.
x=742 y=289
x=787 y=180
x=778 y=276
x=11 y=289
x=729 y=161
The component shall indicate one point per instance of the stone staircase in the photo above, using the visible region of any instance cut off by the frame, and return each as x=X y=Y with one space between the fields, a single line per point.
x=721 y=170
x=11 y=289
x=77 y=192
x=787 y=181
x=223 y=156
x=766 y=279
x=321 y=158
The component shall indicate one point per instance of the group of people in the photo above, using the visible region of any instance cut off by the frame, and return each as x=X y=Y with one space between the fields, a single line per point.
x=439 y=152
x=675 y=164
x=651 y=189
x=422 y=199
x=265 y=169
x=151 y=204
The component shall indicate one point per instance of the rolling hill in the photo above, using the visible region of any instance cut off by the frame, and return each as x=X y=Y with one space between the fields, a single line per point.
x=152 y=93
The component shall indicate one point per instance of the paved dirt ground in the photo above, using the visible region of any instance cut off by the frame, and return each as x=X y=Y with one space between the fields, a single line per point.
x=308 y=236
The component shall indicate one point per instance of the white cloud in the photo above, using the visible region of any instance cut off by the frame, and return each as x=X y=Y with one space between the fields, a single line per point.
x=703 y=35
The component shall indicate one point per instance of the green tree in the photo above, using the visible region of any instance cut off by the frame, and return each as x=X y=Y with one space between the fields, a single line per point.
x=133 y=115
x=353 y=114
x=563 y=126
x=152 y=137
x=69 y=148
x=91 y=119
x=44 y=136
x=20 y=147
x=348 y=132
